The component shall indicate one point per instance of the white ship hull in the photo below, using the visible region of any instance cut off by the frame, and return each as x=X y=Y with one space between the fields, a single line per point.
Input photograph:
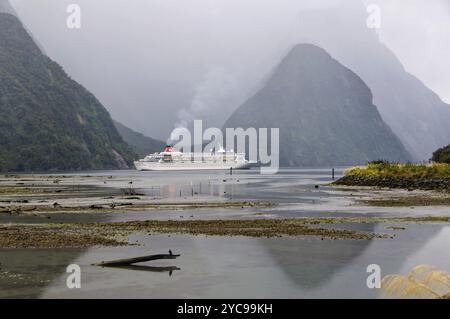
x=157 y=166
x=173 y=160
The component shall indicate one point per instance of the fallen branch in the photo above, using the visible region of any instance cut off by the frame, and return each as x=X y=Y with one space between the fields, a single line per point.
x=130 y=261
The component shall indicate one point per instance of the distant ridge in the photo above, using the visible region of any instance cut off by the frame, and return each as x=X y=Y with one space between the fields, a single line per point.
x=141 y=144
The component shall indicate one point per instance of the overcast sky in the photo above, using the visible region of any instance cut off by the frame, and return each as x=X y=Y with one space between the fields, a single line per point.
x=156 y=63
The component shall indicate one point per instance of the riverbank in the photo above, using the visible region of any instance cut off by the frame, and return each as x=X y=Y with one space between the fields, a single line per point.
x=406 y=176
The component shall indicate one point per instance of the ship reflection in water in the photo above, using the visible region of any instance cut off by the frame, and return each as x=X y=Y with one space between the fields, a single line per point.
x=238 y=267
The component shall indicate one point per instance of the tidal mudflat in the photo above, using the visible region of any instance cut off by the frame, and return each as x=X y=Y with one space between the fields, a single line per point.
x=245 y=235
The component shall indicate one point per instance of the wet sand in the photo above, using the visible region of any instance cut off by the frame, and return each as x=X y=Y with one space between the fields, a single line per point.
x=116 y=233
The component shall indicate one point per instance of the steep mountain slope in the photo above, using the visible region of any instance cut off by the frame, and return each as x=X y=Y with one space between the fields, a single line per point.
x=413 y=111
x=141 y=144
x=47 y=120
x=324 y=112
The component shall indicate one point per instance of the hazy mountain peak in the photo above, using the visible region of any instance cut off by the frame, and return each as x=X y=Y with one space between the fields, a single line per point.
x=5 y=7
x=308 y=48
x=413 y=111
x=324 y=112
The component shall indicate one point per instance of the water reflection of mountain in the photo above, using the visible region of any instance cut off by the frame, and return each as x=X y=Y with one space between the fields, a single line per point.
x=27 y=272
x=312 y=263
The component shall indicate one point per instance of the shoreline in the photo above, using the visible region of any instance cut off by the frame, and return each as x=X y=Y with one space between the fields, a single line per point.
x=394 y=182
x=373 y=196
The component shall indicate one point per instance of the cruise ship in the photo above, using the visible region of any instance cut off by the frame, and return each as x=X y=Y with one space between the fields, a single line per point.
x=173 y=160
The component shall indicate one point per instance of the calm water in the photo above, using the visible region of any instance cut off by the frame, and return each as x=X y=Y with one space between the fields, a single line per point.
x=233 y=267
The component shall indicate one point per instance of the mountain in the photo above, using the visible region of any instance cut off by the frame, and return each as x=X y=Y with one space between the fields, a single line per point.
x=413 y=111
x=324 y=112
x=47 y=120
x=141 y=144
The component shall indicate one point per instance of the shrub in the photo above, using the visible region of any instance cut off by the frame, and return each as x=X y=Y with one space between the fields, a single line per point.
x=385 y=169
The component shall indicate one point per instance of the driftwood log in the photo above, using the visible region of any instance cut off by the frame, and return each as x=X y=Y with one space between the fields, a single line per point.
x=169 y=269
x=130 y=261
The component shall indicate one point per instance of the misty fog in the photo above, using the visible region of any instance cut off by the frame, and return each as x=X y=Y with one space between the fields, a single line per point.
x=156 y=64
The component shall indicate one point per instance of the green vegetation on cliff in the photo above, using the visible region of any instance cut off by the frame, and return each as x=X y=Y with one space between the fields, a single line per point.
x=442 y=155
x=47 y=120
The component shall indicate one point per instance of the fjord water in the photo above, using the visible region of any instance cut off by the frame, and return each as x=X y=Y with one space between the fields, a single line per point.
x=233 y=267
